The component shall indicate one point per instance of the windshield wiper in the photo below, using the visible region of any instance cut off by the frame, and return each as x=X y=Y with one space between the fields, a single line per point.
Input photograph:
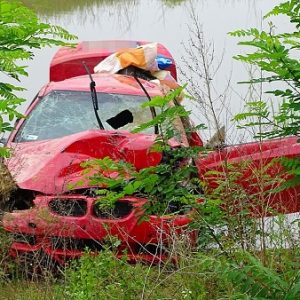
x=153 y=112
x=94 y=96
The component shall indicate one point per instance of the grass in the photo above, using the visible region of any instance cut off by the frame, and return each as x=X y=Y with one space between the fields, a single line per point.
x=26 y=290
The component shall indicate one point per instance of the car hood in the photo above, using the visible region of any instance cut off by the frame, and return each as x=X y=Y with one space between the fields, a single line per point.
x=50 y=166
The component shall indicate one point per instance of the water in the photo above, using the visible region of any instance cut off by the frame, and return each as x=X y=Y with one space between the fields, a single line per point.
x=165 y=21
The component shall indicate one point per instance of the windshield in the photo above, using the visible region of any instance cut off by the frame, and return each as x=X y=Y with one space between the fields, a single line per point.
x=62 y=113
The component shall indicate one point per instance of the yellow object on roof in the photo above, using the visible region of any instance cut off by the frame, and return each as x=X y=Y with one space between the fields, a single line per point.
x=142 y=57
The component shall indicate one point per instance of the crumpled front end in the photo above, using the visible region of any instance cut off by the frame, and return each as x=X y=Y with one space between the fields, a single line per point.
x=65 y=227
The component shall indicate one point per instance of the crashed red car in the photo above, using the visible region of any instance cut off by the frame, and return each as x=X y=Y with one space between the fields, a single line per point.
x=61 y=131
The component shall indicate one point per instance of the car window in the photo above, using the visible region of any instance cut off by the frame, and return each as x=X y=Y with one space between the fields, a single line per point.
x=62 y=113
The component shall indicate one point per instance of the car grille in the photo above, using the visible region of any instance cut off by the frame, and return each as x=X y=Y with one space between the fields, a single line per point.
x=68 y=207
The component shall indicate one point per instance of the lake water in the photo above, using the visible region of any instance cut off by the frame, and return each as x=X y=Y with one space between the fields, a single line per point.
x=165 y=21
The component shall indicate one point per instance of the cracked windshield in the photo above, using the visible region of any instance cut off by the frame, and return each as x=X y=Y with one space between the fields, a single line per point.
x=62 y=113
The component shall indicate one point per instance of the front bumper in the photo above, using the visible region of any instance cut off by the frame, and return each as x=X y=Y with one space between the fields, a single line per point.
x=67 y=235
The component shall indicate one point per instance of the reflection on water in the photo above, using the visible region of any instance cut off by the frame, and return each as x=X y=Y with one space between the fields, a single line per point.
x=54 y=7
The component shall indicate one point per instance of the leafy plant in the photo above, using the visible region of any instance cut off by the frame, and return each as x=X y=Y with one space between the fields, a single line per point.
x=171 y=184
x=276 y=56
x=107 y=277
x=20 y=33
x=253 y=280
x=102 y=277
x=234 y=194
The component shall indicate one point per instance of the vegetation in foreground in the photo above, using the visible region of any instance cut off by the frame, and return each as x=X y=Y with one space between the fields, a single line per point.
x=202 y=275
x=226 y=264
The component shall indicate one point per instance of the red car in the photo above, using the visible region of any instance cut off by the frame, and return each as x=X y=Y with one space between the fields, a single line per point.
x=61 y=131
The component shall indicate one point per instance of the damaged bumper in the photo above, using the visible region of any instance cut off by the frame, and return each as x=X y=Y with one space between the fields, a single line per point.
x=65 y=227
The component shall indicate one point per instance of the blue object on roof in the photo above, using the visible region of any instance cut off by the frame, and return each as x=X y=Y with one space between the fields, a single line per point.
x=163 y=62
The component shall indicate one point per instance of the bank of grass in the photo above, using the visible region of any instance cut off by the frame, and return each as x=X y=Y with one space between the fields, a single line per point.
x=106 y=277
x=198 y=275
x=27 y=290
